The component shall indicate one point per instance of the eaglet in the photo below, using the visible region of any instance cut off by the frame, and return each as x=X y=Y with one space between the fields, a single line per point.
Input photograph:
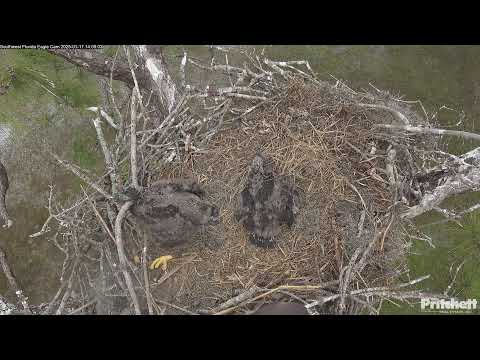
x=267 y=202
x=172 y=211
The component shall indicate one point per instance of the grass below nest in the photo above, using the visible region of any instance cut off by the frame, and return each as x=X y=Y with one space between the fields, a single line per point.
x=316 y=138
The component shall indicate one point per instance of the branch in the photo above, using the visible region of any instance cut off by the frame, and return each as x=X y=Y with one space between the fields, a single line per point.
x=402 y=118
x=425 y=130
x=13 y=283
x=121 y=254
x=107 y=117
x=156 y=66
x=100 y=64
x=81 y=176
x=459 y=183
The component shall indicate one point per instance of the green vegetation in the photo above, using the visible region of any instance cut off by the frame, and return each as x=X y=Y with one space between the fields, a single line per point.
x=43 y=81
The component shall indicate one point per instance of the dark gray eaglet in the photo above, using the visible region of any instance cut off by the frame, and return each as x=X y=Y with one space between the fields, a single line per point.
x=3 y=193
x=266 y=202
x=172 y=211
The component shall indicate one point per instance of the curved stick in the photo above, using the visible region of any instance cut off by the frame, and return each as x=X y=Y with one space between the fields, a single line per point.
x=3 y=191
x=121 y=254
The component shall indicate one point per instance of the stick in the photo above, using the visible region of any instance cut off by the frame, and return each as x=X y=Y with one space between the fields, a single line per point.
x=81 y=176
x=425 y=130
x=402 y=118
x=12 y=282
x=121 y=254
x=145 y=277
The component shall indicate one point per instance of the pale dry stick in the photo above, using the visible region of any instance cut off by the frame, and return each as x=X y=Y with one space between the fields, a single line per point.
x=60 y=289
x=427 y=130
x=456 y=216
x=401 y=117
x=145 y=277
x=107 y=155
x=390 y=167
x=293 y=296
x=167 y=275
x=426 y=239
x=362 y=262
x=219 y=92
x=229 y=75
x=379 y=291
x=45 y=227
x=76 y=311
x=236 y=305
x=175 y=307
x=247 y=97
x=137 y=89
x=102 y=113
x=65 y=297
x=454 y=277
x=386 y=231
x=133 y=143
x=183 y=63
x=414 y=102
x=121 y=254
x=251 y=109
x=365 y=303
x=164 y=125
x=13 y=282
x=85 y=178
x=288 y=64
x=224 y=68
x=448 y=215
x=351 y=186
x=99 y=216
x=361 y=223
x=346 y=279
x=247 y=294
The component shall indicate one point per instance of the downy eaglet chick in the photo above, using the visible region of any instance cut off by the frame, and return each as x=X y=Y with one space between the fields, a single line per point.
x=172 y=211
x=266 y=202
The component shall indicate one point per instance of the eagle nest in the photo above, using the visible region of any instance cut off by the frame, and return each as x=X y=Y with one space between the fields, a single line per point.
x=347 y=238
x=344 y=254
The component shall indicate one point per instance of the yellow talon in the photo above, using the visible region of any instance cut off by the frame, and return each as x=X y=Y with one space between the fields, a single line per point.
x=136 y=259
x=162 y=260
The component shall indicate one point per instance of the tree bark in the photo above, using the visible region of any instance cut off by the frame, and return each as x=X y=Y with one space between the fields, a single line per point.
x=157 y=68
x=100 y=64
x=464 y=177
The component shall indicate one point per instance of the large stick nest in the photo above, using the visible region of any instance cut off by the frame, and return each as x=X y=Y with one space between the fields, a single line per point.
x=346 y=250
x=320 y=140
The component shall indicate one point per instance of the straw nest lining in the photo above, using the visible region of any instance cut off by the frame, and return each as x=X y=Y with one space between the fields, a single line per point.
x=316 y=138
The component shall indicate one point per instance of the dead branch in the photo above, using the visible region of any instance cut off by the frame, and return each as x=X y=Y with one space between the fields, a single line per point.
x=121 y=254
x=97 y=63
x=398 y=115
x=13 y=282
x=469 y=180
x=426 y=130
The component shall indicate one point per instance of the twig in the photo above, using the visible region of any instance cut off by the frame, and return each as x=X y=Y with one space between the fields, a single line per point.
x=447 y=290
x=351 y=186
x=82 y=176
x=247 y=294
x=133 y=143
x=145 y=277
x=402 y=118
x=76 y=311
